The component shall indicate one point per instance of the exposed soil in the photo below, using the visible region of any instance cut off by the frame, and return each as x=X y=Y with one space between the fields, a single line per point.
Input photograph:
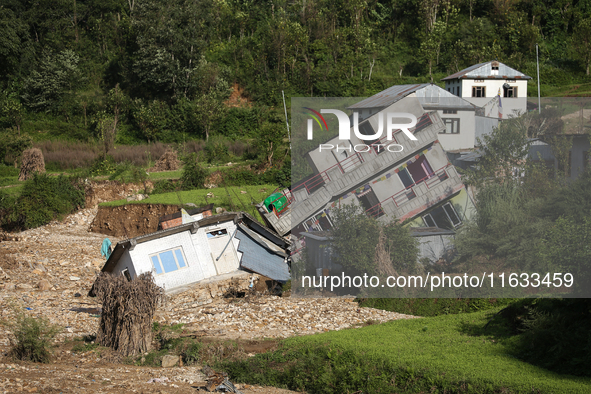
x=100 y=371
x=103 y=191
x=130 y=220
x=238 y=98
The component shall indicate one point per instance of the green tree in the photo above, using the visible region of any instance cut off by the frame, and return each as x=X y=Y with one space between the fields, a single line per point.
x=57 y=76
x=582 y=42
x=193 y=175
x=364 y=245
x=13 y=144
x=504 y=153
x=209 y=110
x=566 y=249
x=12 y=112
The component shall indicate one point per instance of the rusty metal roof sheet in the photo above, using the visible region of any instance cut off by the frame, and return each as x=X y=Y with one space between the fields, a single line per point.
x=388 y=97
x=484 y=71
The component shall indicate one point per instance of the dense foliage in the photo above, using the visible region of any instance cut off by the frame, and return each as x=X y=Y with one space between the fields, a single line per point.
x=42 y=199
x=148 y=70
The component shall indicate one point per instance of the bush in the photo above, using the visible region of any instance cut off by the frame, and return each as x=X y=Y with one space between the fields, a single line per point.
x=193 y=175
x=242 y=177
x=43 y=199
x=427 y=307
x=164 y=186
x=33 y=338
x=127 y=172
x=551 y=333
x=216 y=150
x=104 y=165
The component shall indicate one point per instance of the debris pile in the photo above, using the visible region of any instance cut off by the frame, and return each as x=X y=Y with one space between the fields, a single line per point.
x=168 y=162
x=218 y=381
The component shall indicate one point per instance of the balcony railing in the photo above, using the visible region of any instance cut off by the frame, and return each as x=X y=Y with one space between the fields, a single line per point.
x=408 y=193
x=289 y=199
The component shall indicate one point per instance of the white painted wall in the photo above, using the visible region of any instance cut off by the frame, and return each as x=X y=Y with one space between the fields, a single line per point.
x=194 y=271
x=510 y=105
x=203 y=249
x=387 y=188
x=321 y=161
x=466 y=136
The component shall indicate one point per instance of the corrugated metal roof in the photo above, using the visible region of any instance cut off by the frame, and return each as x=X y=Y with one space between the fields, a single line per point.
x=388 y=97
x=484 y=71
x=435 y=97
x=257 y=258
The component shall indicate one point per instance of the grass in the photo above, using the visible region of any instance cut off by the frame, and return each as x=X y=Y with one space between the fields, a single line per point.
x=156 y=176
x=449 y=354
x=170 y=341
x=574 y=90
x=230 y=198
x=14 y=190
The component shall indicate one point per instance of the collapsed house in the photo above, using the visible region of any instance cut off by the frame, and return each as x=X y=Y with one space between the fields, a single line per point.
x=417 y=184
x=202 y=248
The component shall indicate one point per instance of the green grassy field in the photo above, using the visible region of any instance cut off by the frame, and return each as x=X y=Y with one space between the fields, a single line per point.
x=448 y=354
x=232 y=198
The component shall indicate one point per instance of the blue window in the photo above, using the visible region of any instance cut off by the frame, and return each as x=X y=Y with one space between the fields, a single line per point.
x=168 y=261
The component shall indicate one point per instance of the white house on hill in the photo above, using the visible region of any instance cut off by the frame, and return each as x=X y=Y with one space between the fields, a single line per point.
x=500 y=89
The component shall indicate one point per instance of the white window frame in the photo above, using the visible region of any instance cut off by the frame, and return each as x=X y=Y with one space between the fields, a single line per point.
x=178 y=267
x=446 y=214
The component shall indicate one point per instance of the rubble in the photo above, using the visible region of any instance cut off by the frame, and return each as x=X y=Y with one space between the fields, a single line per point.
x=67 y=249
x=169 y=361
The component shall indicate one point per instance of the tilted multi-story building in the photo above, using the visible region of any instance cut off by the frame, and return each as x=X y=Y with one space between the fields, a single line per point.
x=417 y=184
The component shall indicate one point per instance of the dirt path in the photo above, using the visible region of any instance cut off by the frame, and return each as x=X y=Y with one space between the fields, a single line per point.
x=78 y=376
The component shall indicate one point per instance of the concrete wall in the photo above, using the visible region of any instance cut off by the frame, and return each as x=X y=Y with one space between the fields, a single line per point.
x=484 y=126
x=203 y=249
x=465 y=138
x=321 y=161
x=193 y=272
x=435 y=247
x=436 y=157
x=580 y=146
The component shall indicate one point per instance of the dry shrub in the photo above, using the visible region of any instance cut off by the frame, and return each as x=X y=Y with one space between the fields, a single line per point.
x=67 y=155
x=167 y=162
x=194 y=146
x=7 y=260
x=215 y=178
x=128 y=310
x=33 y=338
x=32 y=163
x=139 y=155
